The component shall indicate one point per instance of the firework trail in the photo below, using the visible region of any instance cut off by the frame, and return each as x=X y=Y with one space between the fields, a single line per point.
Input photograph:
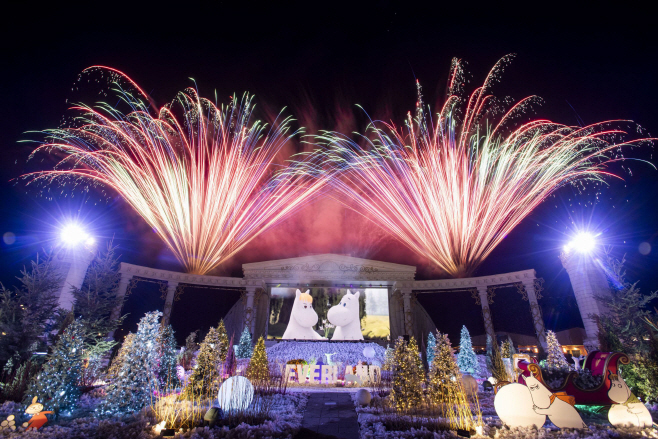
x=202 y=176
x=452 y=188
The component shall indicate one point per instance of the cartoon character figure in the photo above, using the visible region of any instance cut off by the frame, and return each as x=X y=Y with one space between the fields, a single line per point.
x=345 y=316
x=302 y=319
x=559 y=407
x=628 y=410
x=38 y=419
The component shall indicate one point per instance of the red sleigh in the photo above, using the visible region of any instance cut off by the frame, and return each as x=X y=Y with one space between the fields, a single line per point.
x=599 y=363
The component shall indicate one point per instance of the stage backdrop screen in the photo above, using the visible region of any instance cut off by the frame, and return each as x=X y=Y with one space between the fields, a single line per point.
x=329 y=313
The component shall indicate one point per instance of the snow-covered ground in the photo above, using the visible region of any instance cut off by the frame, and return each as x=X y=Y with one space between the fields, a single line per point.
x=287 y=413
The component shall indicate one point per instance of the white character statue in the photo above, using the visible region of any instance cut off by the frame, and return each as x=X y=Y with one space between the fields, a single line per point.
x=559 y=407
x=345 y=316
x=628 y=410
x=302 y=319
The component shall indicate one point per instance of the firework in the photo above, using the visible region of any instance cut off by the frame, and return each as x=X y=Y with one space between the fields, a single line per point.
x=202 y=176
x=453 y=187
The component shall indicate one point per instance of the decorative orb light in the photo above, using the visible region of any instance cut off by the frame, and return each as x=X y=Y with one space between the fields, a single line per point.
x=368 y=352
x=363 y=397
x=236 y=393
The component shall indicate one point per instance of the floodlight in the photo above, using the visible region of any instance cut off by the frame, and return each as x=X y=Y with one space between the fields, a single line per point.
x=583 y=242
x=73 y=235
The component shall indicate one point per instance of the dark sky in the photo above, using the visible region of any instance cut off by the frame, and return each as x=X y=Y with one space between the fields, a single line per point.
x=589 y=64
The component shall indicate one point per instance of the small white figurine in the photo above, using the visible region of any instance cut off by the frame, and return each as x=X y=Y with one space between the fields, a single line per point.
x=345 y=316
x=628 y=410
x=559 y=407
x=302 y=319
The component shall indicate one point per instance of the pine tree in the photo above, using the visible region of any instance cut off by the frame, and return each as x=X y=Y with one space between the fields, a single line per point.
x=512 y=350
x=444 y=385
x=167 y=359
x=431 y=342
x=96 y=300
x=258 y=370
x=244 y=349
x=388 y=358
x=408 y=376
x=223 y=341
x=467 y=360
x=498 y=370
x=120 y=358
x=555 y=359
x=133 y=388
x=505 y=349
x=27 y=311
x=204 y=381
x=56 y=387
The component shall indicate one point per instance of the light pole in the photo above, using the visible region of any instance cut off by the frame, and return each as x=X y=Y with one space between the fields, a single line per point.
x=75 y=252
x=581 y=259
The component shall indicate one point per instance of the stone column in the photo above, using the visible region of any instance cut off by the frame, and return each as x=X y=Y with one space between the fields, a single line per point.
x=169 y=301
x=71 y=264
x=589 y=282
x=537 y=318
x=249 y=311
x=486 y=312
x=406 y=302
x=121 y=294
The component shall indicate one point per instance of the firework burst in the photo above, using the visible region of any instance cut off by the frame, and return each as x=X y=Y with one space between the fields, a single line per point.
x=202 y=176
x=453 y=187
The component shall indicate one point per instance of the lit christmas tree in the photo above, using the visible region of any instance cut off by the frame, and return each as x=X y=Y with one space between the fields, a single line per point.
x=56 y=386
x=167 y=359
x=115 y=367
x=244 y=349
x=136 y=381
x=408 y=376
x=204 y=381
x=431 y=342
x=388 y=358
x=223 y=341
x=467 y=360
x=512 y=350
x=444 y=385
x=555 y=358
x=258 y=370
x=489 y=354
x=505 y=349
x=498 y=370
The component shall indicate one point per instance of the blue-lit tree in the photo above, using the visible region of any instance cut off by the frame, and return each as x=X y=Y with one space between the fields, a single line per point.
x=467 y=360
x=244 y=349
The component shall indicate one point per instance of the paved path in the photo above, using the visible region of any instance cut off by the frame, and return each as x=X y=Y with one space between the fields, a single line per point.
x=332 y=414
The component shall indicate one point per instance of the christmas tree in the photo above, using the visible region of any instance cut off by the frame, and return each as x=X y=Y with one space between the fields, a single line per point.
x=388 y=358
x=444 y=385
x=56 y=387
x=467 y=360
x=136 y=381
x=489 y=354
x=223 y=341
x=555 y=358
x=167 y=359
x=504 y=349
x=115 y=367
x=258 y=370
x=204 y=381
x=498 y=370
x=408 y=376
x=244 y=349
x=512 y=350
x=431 y=342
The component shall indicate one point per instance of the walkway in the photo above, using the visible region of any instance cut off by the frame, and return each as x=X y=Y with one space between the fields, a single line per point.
x=330 y=414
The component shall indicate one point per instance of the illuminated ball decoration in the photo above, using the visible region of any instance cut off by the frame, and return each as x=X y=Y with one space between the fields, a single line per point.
x=363 y=397
x=236 y=393
x=368 y=352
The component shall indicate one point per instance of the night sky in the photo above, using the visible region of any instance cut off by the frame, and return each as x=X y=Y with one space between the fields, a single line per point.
x=319 y=60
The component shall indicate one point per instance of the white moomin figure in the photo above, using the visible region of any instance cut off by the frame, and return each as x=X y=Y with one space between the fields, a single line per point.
x=345 y=316
x=628 y=410
x=559 y=407
x=302 y=319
